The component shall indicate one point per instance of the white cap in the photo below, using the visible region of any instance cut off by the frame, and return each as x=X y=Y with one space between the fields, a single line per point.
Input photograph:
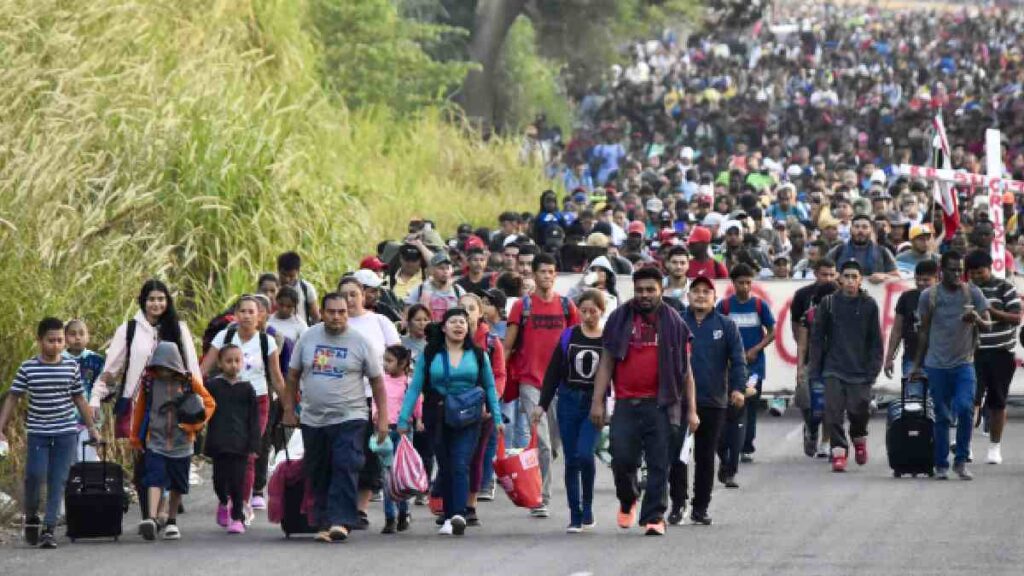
x=654 y=204
x=686 y=153
x=713 y=220
x=878 y=177
x=794 y=171
x=368 y=278
x=510 y=239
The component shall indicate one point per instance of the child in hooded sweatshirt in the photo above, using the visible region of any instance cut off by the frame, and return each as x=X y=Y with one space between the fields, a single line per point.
x=233 y=434
x=397 y=365
x=167 y=445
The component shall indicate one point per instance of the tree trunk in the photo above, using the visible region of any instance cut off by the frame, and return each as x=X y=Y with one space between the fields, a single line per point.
x=491 y=24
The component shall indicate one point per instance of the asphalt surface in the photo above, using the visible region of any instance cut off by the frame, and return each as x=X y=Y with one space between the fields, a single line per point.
x=790 y=516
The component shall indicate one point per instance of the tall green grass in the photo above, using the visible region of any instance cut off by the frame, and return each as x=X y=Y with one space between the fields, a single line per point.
x=193 y=140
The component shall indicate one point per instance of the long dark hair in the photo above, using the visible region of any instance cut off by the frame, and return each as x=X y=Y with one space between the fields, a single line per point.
x=436 y=338
x=167 y=326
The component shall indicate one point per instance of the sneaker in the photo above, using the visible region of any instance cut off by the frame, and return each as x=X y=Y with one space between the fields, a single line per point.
x=730 y=482
x=439 y=520
x=822 y=449
x=324 y=536
x=574 y=529
x=338 y=533
x=675 y=517
x=458 y=525
x=588 y=519
x=420 y=500
x=248 y=515
x=700 y=518
x=540 y=512
x=486 y=494
x=626 y=520
x=942 y=473
x=32 y=527
x=377 y=496
x=194 y=479
x=860 y=451
x=236 y=527
x=810 y=441
x=362 y=523
x=258 y=502
x=223 y=516
x=777 y=406
x=838 y=460
x=47 y=541
x=995 y=454
x=148 y=530
x=171 y=532
x=403 y=522
x=970 y=451
x=962 y=472
x=655 y=528
x=390 y=526
x=747 y=457
x=721 y=475
x=446 y=528
x=471 y=519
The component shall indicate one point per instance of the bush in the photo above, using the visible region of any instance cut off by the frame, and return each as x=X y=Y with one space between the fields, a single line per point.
x=193 y=141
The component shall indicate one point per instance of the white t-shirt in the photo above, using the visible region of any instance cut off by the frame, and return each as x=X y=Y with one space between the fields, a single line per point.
x=303 y=288
x=290 y=328
x=253 y=369
x=379 y=331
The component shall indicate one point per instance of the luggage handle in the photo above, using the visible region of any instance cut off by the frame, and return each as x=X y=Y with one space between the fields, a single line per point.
x=924 y=384
x=103 y=457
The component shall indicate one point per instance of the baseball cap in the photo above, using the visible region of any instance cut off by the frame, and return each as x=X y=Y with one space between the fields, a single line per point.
x=440 y=257
x=654 y=205
x=686 y=153
x=699 y=234
x=373 y=263
x=794 y=171
x=410 y=252
x=637 y=227
x=701 y=279
x=474 y=242
x=919 y=229
x=667 y=236
x=368 y=278
x=732 y=224
x=497 y=298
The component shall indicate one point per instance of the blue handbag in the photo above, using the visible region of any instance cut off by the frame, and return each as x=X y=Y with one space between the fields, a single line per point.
x=465 y=408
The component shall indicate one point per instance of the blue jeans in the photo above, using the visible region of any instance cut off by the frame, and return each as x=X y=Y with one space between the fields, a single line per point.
x=579 y=437
x=952 y=391
x=389 y=504
x=517 y=431
x=49 y=460
x=487 y=477
x=454 y=449
x=334 y=456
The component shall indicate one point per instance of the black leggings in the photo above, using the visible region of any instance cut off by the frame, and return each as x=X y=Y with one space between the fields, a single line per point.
x=228 y=481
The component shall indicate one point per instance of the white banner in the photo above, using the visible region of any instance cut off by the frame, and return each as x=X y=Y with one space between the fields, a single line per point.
x=781 y=355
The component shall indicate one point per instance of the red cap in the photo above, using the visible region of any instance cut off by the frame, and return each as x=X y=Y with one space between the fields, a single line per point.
x=666 y=234
x=372 y=263
x=637 y=227
x=699 y=234
x=472 y=242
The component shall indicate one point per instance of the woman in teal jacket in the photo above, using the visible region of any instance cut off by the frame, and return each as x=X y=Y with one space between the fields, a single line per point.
x=451 y=368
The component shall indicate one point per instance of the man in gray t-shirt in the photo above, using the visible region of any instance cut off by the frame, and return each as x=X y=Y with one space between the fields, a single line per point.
x=946 y=346
x=328 y=366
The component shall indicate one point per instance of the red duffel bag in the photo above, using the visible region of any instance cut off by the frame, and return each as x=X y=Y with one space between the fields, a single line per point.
x=519 y=473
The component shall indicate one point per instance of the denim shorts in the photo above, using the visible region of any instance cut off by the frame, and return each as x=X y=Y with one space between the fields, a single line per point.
x=166 y=473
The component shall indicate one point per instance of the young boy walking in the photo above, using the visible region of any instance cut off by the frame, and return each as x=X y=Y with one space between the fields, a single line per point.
x=167 y=444
x=54 y=389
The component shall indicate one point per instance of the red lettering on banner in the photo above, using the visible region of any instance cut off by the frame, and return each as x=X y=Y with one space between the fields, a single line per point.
x=892 y=292
x=780 y=344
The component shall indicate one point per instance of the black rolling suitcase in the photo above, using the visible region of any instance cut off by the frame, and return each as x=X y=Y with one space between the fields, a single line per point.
x=94 y=498
x=909 y=432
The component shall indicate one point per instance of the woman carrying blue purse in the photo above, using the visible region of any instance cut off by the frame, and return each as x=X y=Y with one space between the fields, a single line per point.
x=457 y=384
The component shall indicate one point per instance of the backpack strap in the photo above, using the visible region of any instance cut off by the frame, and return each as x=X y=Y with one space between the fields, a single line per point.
x=265 y=353
x=566 y=310
x=229 y=334
x=563 y=341
x=305 y=299
x=725 y=306
x=758 y=305
x=526 y=310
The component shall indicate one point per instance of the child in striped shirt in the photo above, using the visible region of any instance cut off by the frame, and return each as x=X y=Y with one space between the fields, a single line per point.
x=54 y=388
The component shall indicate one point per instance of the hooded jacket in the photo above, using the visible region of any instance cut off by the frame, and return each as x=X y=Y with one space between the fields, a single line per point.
x=146 y=414
x=846 y=339
x=673 y=358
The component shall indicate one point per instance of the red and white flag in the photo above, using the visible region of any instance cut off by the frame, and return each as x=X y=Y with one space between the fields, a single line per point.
x=945 y=196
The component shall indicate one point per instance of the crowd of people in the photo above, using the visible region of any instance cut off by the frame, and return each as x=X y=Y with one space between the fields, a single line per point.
x=721 y=160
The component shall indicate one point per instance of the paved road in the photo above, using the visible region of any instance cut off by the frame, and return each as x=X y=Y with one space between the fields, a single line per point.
x=791 y=516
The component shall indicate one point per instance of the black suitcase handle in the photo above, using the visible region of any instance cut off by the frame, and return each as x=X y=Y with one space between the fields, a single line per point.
x=103 y=455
